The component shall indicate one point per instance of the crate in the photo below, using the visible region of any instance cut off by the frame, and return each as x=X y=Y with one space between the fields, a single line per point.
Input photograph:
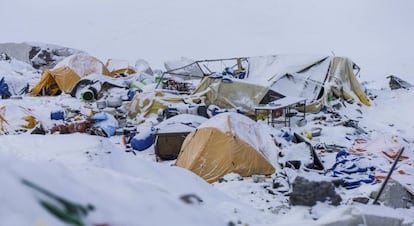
x=168 y=145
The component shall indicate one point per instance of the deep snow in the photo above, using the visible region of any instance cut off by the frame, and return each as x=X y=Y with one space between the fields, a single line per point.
x=134 y=190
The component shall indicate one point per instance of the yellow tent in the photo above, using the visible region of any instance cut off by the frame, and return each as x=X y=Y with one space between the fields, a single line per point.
x=84 y=65
x=149 y=103
x=228 y=142
x=54 y=81
x=66 y=74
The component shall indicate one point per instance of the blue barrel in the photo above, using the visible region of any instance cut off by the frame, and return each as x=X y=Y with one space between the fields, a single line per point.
x=143 y=139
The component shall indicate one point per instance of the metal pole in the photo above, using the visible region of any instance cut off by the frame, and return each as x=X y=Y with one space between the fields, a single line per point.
x=388 y=176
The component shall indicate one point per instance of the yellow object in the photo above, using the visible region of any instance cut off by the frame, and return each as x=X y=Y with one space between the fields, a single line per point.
x=307 y=134
x=31 y=122
x=118 y=67
x=145 y=104
x=66 y=74
x=3 y=121
x=238 y=93
x=125 y=71
x=212 y=152
x=54 y=81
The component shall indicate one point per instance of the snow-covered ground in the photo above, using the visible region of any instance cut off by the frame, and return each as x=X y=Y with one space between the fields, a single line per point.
x=128 y=189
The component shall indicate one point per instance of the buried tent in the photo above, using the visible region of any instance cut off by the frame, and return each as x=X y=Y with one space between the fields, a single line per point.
x=268 y=78
x=228 y=142
x=64 y=76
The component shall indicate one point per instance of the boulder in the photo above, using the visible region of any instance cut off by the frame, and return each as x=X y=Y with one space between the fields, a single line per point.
x=308 y=193
x=40 y=56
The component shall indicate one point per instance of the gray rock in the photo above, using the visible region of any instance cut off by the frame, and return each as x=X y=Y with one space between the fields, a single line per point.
x=40 y=56
x=308 y=193
x=397 y=83
x=395 y=195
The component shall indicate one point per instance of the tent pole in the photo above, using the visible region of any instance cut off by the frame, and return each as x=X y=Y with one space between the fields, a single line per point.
x=388 y=176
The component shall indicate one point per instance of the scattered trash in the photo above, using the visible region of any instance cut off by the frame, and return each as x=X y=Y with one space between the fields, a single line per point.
x=191 y=199
x=4 y=89
x=316 y=132
x=258 y=178
x=141 y=139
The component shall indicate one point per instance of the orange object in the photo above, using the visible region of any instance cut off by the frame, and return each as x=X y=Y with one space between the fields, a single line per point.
x=393 y=153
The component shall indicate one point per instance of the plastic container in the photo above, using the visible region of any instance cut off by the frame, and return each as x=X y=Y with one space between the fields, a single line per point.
x=57 y=115
x=143 y=139
x=101 y=104
x=87 y=95
x=316 y=131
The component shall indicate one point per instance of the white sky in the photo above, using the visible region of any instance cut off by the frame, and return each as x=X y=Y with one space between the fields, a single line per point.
x=376 y=34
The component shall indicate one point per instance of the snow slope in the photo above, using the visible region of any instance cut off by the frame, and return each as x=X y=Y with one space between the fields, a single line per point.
x=124 y=190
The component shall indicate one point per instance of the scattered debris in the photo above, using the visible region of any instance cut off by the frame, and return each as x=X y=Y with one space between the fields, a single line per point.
x=191 y=199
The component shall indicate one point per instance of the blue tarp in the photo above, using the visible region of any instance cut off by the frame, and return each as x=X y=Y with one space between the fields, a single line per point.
x=353 y=171
x=4 y=89
x=106 y=122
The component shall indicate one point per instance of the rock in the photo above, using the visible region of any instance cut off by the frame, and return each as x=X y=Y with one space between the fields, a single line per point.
x=397 y=83
x=357 y=216
x=191 y=199
x=395 y=195
x=40 y=56
x=4 y=57
x=363 y=200
x=308 y=193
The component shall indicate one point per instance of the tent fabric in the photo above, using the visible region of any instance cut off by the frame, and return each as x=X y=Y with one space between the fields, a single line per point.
x=310 y=77
x=65 y=75
x=124 y=71
x=342 y=68
x=4 y=89
x=149 y=103
x=83 y=64
x=118 y=67
x=313 y=78
x=53 y=81
x=228 y=142
x=237 y=93
x=266 y=70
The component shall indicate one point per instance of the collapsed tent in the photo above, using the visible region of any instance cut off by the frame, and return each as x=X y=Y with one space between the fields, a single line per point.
x=64 y=76
x=151 y=103
x=119 y=67
x=270 y=77
x=235 y=93
x=92 y=87
x=228 y=142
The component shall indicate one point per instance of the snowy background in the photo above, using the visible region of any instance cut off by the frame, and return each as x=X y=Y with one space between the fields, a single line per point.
x=376 y=34
x=134 y=190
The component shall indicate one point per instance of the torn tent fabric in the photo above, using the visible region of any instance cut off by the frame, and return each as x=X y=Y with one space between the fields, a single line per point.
x=353 y=171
